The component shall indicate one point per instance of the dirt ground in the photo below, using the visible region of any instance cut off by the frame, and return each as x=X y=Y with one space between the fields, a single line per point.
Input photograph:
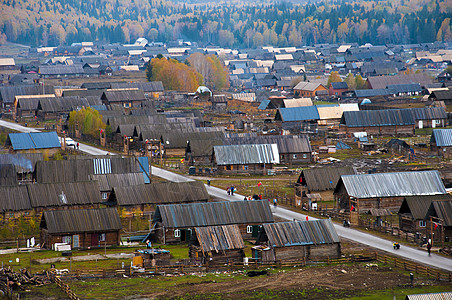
x=327 y=282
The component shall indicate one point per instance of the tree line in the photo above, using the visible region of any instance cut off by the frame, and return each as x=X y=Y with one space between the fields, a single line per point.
x=58 y=22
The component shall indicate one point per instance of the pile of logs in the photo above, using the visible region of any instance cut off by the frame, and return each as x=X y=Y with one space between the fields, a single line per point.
x=11 y=280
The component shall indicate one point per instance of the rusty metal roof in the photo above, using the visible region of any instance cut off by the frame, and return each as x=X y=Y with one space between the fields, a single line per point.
x=298 y=233
x=213 y=213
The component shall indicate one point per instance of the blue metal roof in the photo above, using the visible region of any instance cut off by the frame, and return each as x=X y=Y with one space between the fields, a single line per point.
x=144 y=168
x=264 y=104
x=302 y=113
x=34 y=140
x=442 y=137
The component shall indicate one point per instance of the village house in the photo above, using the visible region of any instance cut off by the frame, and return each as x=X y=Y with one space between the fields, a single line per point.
x=337 y=88
x=297 y=118
x=414 y=212
x=298 y=240
x=80 y=228
x=175 y=223
x=310 y=89
x=109 y=181
x=218 y=245
x=251 y=158
x=32 y=141
x=321 y=181
x=359 y=193
x=127 y=97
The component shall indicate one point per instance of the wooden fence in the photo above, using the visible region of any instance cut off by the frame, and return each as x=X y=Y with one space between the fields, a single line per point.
x=55 y=278
x=412 y=266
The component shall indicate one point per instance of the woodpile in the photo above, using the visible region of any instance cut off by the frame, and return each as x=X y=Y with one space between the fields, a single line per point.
x=11 y=280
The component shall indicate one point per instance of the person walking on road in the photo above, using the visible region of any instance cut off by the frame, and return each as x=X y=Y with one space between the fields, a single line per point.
x=228 y=190
x=429 y=247
x=275 y=202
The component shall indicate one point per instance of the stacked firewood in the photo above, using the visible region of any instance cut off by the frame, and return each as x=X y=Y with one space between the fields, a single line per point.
x=11 y=280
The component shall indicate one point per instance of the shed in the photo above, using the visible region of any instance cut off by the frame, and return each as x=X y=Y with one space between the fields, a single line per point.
x=80 y=228
x=175 y=222
x=299 y=240
x=218 y=245
x=127 y=98
x=441 y=142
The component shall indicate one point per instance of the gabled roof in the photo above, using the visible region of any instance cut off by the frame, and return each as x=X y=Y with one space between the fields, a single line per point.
x=34 y=140
x=387 y=117
x=381 y=82
x=294 y=114
x=161 y=193
x=123 y=95
x=322 y=179
x=396 y=184
x=329 y=112
x=286 y=234
x=7 y=93
x=81 y=220
x=219 y=238
x=442 y=137
x=443 y=210
x=441 y=95
x=418 y=205
x=308 y=86
x=61 y=69
x=153 y=86
x=246 y=154
x=213 y=213
x=339 y=85
x=297 y=102
x=14 y=198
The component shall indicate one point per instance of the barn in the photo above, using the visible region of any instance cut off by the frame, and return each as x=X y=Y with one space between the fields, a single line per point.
x=298 y=240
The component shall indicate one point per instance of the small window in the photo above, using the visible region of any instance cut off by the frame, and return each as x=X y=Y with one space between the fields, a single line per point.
x=177 y=233
x=249 y=229
x=294 y=156
x=245 y=167
x=67 y=239
x=305 y=155
x=422 y=223
x=102 y=237
x=104 y=196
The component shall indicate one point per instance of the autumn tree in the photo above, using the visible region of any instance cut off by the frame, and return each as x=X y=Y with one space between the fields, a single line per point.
x=350 y=80
x=87 y=120
x=359 y=82
x=214 y=72
x=334 y=77
x=175 y=75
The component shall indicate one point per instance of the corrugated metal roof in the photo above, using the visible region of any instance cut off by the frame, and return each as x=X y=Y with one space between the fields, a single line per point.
x=286 y=234
x=393 y=184
x=61 y=69
x=246 y=154
x=213 y=213
x=442 y=137
x=431 y=296
x=34 y=140
x=219 y=238
x=293 y=114
x=264 y=104
x=322 y=179
x=7 y=93
x=81 y=220
x=123 y=95
x=161 y=193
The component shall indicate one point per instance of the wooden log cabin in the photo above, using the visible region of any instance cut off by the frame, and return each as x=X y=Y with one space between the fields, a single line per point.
x=359 y=193
x=175 y=223
x=80 y=228
x=300 y=240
